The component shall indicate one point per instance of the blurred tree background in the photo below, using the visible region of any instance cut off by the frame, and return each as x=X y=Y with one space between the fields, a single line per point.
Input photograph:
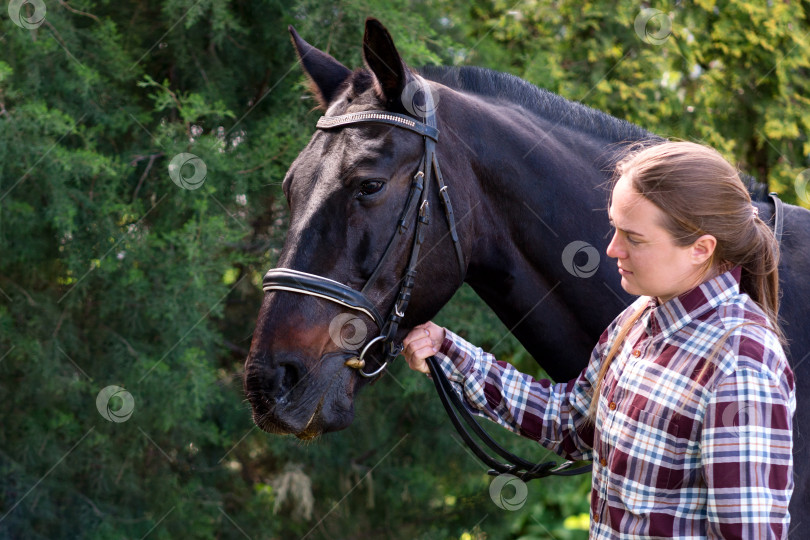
x=110 y=274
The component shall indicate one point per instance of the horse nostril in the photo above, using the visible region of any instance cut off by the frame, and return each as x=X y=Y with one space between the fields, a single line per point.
x=290 y=377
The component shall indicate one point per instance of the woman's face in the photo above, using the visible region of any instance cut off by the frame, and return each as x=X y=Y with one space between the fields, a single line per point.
x=649 y=261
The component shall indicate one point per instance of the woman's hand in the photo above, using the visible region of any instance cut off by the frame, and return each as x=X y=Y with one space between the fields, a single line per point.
x=423 y=341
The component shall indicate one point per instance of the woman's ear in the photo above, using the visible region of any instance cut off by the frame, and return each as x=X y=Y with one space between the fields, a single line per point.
x=703 y=249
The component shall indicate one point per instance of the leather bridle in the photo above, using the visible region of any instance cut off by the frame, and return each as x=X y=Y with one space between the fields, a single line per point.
x=286 y=279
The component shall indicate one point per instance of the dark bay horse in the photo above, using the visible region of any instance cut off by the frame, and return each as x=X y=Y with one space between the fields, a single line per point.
x=527 y=172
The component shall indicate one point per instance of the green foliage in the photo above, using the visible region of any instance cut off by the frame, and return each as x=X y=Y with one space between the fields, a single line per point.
x=110 y=274
x=190 y=106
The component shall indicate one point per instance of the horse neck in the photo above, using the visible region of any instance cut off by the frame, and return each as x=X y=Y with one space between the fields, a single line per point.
x=534 y=187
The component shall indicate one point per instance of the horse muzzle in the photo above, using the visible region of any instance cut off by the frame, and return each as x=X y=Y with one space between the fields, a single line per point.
x=289 y=398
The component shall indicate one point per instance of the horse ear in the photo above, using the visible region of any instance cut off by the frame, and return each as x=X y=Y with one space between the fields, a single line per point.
x=383 y=60
x=325 y=73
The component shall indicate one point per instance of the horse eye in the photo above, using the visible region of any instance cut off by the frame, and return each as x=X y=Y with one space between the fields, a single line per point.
x=370 y=187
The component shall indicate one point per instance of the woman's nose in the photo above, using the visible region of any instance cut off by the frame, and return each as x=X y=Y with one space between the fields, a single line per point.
x=615 y=250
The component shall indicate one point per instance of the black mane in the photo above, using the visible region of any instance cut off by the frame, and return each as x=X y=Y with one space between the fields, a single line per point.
x=505 y=86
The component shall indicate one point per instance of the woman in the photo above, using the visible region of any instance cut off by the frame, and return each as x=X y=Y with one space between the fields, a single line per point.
x=690 y=432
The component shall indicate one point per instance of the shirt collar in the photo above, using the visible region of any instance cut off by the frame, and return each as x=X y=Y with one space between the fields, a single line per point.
x=677 y=312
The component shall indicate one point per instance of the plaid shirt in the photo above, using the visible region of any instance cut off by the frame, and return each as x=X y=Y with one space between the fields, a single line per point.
x=677 y=453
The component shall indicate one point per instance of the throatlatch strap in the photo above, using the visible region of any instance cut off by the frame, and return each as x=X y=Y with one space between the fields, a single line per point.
x=450 y=217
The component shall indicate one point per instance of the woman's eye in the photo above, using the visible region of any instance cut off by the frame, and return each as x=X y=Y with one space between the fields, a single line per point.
x=626 y=237
x=370 y=187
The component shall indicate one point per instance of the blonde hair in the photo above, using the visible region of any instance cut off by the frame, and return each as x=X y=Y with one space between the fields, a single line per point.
x=700 y=193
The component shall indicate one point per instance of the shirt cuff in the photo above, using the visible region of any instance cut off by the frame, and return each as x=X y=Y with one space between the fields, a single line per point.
x=455 y=351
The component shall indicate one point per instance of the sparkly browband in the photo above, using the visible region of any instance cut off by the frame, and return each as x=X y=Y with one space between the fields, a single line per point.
x=379 y=117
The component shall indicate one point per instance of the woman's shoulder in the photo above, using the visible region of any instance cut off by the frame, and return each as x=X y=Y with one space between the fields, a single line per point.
x=749 y=341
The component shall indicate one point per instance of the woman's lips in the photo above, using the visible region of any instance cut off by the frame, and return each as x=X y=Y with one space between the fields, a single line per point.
x=624 y=272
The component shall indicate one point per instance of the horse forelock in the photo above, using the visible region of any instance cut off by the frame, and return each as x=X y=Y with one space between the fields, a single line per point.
x=361 y=80
x=355 y=91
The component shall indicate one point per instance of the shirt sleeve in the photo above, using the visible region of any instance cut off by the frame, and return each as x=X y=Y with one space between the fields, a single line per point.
x=555 y=415
x=747 y=458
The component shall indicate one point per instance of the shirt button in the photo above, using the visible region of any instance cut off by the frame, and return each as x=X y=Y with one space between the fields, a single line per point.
x=596 y=518
x=636 y=353
x=603 y=462
x=612 y=405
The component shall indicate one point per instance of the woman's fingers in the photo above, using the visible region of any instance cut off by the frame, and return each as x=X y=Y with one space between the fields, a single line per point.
x=427 y=330
x=418 y=363
x=419 y=345
x=419 y=333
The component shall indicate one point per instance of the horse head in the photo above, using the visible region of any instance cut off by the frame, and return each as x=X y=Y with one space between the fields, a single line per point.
x=348 y=193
